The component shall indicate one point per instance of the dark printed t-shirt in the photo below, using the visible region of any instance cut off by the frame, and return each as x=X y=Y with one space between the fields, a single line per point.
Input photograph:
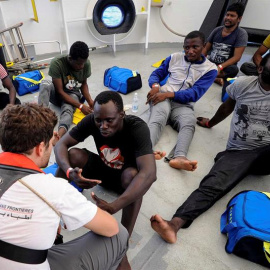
x=72 y=80
x=121 y=150
x=223 y=47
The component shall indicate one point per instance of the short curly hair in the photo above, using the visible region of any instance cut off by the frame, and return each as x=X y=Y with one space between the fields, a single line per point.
x=239 y=8
x=22 y=127
x=196 y=34
x=106 y=96
x=79 y=50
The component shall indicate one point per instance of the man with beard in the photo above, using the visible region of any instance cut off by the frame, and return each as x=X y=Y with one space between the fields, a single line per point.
x=244 y=155
x=125 y=162
x=226 y=45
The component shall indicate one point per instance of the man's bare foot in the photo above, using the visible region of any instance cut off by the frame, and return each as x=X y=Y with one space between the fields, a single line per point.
x=164 y=228
x=159 y=155
x=124 y=264
x=182 y=163
x=219 y=81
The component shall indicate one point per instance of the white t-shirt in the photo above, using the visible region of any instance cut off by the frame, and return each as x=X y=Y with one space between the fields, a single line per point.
x=27 y=221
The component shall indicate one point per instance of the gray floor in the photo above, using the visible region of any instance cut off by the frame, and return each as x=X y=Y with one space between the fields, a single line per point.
x=202 y=245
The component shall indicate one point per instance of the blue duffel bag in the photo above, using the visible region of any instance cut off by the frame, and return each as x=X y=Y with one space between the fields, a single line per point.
x=247 y=225
x=28 y=82
x=122 y=80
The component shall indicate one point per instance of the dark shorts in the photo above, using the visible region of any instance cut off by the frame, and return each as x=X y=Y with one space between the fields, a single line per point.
x=96 y=169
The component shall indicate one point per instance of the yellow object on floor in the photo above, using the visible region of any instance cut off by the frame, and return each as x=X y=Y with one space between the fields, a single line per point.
x=78 y=116
x=158 y=64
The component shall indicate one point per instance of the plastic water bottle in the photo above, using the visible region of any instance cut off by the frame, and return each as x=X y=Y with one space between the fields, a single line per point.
x=35 y=100
x=135 y=103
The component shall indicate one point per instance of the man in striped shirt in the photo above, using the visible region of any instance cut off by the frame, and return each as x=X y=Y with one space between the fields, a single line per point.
x=5 y=98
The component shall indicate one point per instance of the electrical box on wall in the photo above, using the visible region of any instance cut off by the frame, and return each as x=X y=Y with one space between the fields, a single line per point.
x=157 y=3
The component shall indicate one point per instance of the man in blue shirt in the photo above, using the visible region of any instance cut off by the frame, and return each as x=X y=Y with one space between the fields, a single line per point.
x=190 y=75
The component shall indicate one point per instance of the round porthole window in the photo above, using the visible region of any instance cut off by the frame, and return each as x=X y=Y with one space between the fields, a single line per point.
x=112 y=16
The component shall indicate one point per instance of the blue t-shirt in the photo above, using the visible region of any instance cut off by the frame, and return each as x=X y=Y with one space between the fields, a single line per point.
x=223 y=47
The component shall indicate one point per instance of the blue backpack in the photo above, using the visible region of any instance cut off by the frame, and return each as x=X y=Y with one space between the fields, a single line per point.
x=247 y=225
x=122 y=80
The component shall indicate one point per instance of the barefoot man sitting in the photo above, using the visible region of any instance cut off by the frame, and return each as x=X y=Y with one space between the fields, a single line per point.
x=125 y=162
x=247 y=151
x=190 y=75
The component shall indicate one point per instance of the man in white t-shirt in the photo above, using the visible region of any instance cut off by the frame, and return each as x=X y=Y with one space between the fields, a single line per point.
x=28 y=224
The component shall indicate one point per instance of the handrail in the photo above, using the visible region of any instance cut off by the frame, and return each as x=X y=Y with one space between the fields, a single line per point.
x=46 y=41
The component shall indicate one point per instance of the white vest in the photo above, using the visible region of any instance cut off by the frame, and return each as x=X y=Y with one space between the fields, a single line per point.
x=183 y=74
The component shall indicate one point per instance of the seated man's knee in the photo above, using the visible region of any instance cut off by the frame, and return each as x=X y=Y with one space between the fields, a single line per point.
x=189 y=124
x=77 y=157
x=192 y=121
x=249 y=68
x=244 y=67
x=127 y=176
x=45 y=85
x=231 y=71
x=67 y=109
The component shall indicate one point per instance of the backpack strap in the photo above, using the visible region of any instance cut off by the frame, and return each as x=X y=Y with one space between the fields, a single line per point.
x=21 y=254
x=10 y=174
x=41 y=197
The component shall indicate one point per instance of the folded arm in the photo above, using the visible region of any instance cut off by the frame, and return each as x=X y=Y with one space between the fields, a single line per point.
x=140 y=184
x=103 y=224
x=59 y=88
x=61 y=151
x=257 y=57
x=236 y=57
x=68 y=99
x=160 y=73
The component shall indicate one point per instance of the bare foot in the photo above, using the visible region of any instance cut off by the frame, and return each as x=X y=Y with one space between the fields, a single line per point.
x=124 y=264
x=159 y=155
x=182 y=163
x=219 y=81
x=164 y=229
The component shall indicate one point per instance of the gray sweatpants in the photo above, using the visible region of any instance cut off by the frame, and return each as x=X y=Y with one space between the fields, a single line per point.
x=90 y=252
x=180 y=116
x=48 y=94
